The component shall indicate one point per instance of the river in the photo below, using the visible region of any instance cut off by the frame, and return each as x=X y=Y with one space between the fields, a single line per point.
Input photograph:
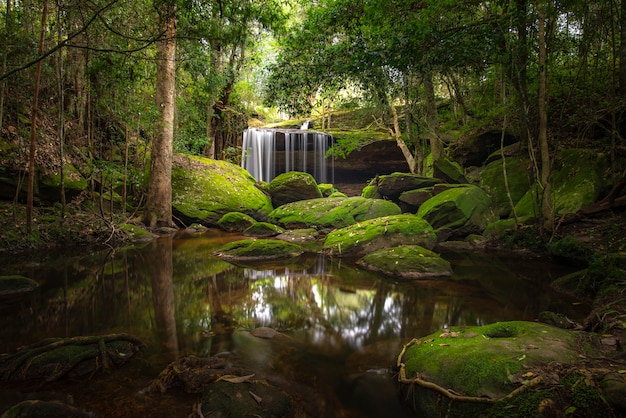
x=344 y=325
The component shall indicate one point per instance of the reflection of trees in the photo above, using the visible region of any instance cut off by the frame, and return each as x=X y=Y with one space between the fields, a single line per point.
x=161 y=271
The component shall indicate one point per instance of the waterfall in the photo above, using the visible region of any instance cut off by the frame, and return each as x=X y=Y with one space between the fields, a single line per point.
x=267 y=153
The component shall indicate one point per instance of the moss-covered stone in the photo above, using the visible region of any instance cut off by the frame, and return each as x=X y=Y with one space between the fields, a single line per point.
x=136 y=233
x=391 y=186
x=293 y=186
x=258 y=249
x=371 y=192
x=15 y=285
x=331 y=212
x=457 y=212
x=502 y=226
x=407 y=262
x=326 y=189
x=49 y=183
x=371 y=235
x=263 y=230
x=204 y=190
x=486 y=361
x=449 y=171
x=39 y=408
x=235 y=222
x=518 y=180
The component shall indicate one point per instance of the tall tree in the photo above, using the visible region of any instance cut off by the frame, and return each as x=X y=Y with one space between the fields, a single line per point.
x=159 y=195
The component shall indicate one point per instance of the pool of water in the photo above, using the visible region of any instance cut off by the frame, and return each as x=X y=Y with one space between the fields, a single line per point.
x=343 y=325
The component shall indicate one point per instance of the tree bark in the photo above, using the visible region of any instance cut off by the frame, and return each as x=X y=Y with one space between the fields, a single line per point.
x=622 y=50
x=159 y=195
x=33 y=126
x=546 y=199
x=436 y=147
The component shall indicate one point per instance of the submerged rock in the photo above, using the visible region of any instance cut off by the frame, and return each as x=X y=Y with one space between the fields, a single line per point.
x=16 y=285
x=374 y=234
x=406 y=262
x=258 y=249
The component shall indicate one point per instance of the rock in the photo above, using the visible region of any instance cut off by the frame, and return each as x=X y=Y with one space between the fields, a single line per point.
x=254 y=398
x=48 y=409
x=500 y=359
x=475 y=149
x=518 y=171
x=578 y=179
x=16 y=285
x=49 y=184
x=235 y=222
x=299 y=235
x=263 y=230
x=457 y=212
x=332 y=212
x=406 y=262
x=371 y=235
x=258 y=249
x=204 y=190
x=448 y=171
x=292 y=187
x=327 y=189
x=391 y=186
x=137 y=233
x=614 y=389
x=414 y=198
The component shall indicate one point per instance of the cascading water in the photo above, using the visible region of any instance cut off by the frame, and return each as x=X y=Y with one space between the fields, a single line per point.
x=270 y=152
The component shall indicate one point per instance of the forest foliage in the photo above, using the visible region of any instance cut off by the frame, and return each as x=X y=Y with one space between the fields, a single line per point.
x=432 y=71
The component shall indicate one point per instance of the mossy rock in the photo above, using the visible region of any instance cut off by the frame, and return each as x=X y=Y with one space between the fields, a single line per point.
x=332 y=212
x=371 y=235
x=136 y=233
x=235 y=222
x=39 y=408
x=258 y=249
x=254 y=398
x=407 y=262
x=391 y=186
x=16 y=285
x=448 y=171
x=518 y=171
x=457 y=212
x=486 y=363
x=49 y=184
x=326 y=189
x=293 y=186
x=263 y=230
x=371 y=192
x=502 y=226
x=204 y=190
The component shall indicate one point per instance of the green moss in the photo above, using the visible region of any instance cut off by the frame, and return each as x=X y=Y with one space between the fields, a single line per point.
x=570 y=250
x=235 y=222
x=10 y=285
x=370 y=192
x=455 y=207
x=250 y=249
x=492 y=181
x=407 y=261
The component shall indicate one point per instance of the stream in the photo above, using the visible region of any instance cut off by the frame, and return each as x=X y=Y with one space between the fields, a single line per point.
x=344 y=325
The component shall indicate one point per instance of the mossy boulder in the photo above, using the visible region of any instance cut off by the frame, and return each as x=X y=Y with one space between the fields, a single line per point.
x=327 y=189
x=391 y=186
x=49 y=183
x=39 y=408
x=448 y=171
x=518 y=170
x=16 y=285
x=235 y=222
x=204 y=190
x=415 y=198
x=406 y=262
x=578 y=179
x=263 y=230
x=457 y=212
x=253 y=398
x=371 y=235
x=137 y=233
x=292 y=187
x=475 y=365
x=258 y=249
x=332 y=212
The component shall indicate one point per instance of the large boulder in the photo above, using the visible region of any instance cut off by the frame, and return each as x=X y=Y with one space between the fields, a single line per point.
x=391 y=186
x=204 y=190
x=333 y=212
x=448 y=171
x=292 y=187
x=473 y=150
x=518 y=171
x=457 y=212
x=578 y=179
x=258 y=249
x=371 y=235
x=406 y=262
x=464 y=371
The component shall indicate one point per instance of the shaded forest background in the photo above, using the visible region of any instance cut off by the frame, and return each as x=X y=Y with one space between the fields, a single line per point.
x=78 y=81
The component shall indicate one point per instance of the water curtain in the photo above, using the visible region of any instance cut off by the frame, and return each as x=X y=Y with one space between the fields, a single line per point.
x=270 y=152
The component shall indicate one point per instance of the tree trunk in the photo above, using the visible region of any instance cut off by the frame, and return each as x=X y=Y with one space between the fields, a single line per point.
x=436 y=146
x=159 y=196
x=408 y=156
x=8 y=26
x=622 y=49
x=33 y=126
x=546 y=200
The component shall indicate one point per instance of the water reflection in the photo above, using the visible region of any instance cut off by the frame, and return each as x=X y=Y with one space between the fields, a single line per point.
x=179 y=300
